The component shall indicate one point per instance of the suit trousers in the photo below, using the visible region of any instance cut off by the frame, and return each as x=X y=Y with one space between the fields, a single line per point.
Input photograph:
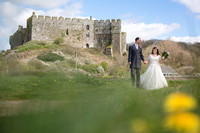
x=137 y=84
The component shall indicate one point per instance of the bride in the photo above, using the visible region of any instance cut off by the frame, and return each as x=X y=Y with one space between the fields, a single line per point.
x=153 y=77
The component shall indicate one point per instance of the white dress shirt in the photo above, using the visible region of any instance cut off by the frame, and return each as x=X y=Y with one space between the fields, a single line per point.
x=136 y=46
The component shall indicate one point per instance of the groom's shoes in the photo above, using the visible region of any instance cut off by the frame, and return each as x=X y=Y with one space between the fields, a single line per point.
x=136 y=86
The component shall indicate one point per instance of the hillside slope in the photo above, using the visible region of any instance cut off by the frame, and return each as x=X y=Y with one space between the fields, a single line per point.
x=42 y=56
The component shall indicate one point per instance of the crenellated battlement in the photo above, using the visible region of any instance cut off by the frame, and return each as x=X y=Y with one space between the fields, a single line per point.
x=96 y=22
x=54 y=18
x=108 y=21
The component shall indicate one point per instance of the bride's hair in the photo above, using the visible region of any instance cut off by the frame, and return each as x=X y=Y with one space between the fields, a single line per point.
x=157 y=50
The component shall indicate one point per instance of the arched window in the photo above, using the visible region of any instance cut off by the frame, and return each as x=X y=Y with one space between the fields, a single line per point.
x=87 y=45
x=67 y=32
x=87 y=27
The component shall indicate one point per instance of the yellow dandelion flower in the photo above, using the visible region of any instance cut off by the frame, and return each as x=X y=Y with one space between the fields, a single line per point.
x=183 y=122
x=139 y=126
x=179 y=102
x=54 y=80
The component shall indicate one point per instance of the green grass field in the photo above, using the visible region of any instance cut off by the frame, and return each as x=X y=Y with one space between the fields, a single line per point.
x=54 y=103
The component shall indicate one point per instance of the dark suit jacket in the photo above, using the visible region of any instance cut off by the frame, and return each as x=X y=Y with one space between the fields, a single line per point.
x=135 y=56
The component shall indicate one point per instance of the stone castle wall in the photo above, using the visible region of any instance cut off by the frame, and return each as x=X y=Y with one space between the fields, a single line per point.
x=102 y=33
x=78 y=32
x=81 y=33
x=17 y=38
x=123 y=41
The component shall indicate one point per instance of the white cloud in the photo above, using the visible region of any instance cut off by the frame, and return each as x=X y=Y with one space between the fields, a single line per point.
x=12 y=15
x=193 y=5
x=146 y=31
x=47 y=4
x=187 y=39
x=198 y=16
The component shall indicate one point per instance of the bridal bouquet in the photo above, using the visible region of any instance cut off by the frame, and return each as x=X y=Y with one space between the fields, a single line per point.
x=165 y=54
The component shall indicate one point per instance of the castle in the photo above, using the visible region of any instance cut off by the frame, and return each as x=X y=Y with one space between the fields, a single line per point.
x=82 y=33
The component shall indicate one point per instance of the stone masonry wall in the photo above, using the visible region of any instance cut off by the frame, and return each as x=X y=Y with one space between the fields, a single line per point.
x=78 y=32
x=102 y=33
x=123 y=42
x=116 y=36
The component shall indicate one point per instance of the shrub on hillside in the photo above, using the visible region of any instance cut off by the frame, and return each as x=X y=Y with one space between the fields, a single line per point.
x=91 y=68
x=37 y=64
x=59 y=41
x=105 y=66
x=31 y=45
x=118 y=71
x=122 y=71
x=63 y=34
x=50 y=57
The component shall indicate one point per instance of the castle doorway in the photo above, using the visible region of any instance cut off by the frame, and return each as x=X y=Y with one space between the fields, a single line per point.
x=67 y=33
x=87 y=45
x=88 y=27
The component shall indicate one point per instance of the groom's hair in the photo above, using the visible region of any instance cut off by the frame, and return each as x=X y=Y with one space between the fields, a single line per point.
x=157 y=50
x=137 y=38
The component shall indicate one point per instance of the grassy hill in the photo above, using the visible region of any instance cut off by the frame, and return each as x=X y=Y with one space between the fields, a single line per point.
x=42 y=56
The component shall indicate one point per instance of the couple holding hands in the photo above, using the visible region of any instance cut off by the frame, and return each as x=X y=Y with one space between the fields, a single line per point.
x=153 y=77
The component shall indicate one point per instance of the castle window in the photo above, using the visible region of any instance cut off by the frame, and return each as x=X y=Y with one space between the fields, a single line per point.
x=87 y=45
x=87 y=35
x=67 y=33
x=88 y=27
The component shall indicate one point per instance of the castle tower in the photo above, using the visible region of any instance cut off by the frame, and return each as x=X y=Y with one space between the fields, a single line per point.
x=116 y=36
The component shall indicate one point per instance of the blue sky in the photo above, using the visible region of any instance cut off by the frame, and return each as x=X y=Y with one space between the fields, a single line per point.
x=177 y=20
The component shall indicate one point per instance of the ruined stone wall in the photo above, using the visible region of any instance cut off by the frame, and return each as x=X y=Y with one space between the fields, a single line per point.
x=28 y=30
x=18 y=37
x=77 y=32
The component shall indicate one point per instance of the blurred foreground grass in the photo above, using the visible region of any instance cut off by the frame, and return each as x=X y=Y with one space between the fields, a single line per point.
x=83 y=104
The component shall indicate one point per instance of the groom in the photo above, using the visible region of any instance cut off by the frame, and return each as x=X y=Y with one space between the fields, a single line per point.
x=134 y=59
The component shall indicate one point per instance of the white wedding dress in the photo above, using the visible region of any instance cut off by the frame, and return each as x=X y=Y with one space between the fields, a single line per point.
x=153 y=77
